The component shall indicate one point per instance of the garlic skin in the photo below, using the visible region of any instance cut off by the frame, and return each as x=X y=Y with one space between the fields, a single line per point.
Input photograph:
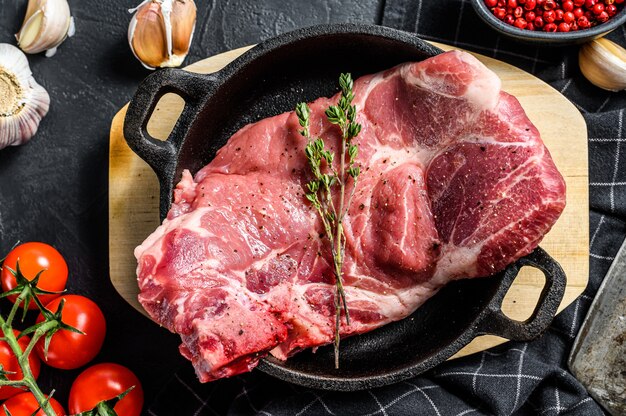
x=46 y=25
x=23 y=102
x=603 y=63
x=161 y=32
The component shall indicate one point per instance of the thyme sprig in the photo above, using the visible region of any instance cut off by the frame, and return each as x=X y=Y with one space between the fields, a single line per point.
x=326 y=178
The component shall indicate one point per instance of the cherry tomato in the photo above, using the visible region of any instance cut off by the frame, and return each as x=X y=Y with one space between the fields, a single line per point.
x=103 y=382
x=10 y=364
x=69 y=350
x=35 y=257
x=25 y=404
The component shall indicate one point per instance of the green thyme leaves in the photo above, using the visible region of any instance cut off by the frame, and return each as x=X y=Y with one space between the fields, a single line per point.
x=330 y=179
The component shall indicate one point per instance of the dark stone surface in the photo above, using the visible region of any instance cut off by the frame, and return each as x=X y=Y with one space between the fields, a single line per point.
x=54 y=189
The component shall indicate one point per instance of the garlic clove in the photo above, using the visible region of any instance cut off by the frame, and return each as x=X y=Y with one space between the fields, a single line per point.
x=603 y=63
x=161 y=31
x=147 y=40
x=183 y=26
x=46 y=25
x=23 y=102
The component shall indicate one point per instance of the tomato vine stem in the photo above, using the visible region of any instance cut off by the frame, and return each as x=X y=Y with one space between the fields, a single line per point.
x=28 y=379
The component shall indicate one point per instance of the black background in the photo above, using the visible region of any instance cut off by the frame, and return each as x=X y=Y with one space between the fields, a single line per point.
x=54 y=189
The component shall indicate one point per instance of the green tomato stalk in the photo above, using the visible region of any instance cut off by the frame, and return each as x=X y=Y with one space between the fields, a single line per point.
x=105 y=407
x=28 y=291
x=28 y=380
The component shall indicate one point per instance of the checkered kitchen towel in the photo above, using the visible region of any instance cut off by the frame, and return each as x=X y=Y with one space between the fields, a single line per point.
x=528 y=378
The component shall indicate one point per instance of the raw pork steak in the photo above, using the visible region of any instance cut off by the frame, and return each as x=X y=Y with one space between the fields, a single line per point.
x=455 y=183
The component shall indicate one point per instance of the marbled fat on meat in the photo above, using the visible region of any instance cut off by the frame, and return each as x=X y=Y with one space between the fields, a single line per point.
x=455 y=183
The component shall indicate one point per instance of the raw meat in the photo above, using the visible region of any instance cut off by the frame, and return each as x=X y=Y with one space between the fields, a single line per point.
x=455 y=183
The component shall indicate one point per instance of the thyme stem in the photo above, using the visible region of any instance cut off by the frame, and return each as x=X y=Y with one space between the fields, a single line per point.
x=320 y=188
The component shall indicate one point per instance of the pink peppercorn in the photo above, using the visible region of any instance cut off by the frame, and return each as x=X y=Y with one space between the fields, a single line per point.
x=564 y=27
x=558 y=13
x=549 y=16
x=568 y=17
x=550 y=27
x=520 y=23
x=611 y=9
x=598 y=8
x=583 y=22
x=530 y=4
x=603 y=17
x=549 y=5
x=499 y=12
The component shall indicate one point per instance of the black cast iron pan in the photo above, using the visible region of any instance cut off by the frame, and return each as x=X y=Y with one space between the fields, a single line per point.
x=270 y=79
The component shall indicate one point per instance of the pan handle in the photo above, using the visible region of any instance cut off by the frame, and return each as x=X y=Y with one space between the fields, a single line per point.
x=496 y=322
x=162 y=155
x=191 y=87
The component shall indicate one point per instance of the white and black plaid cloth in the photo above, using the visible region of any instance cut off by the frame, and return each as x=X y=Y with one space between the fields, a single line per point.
x=517 y=378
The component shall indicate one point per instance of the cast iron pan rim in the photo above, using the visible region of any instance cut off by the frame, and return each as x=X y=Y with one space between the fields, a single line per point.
x=273 y=368
x=163 y=156
x=197 y=90
x=332 y=29
x=482 y=324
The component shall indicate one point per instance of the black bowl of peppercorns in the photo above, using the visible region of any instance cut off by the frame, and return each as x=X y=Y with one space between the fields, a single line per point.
x=555 y=22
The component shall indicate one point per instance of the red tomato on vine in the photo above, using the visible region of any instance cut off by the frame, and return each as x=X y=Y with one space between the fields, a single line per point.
x=67 y=349
x=25 y=404
x=33 y=258
x=103 y=382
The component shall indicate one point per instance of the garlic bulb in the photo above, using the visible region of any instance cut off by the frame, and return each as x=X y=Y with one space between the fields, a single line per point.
x=46 y=25
x=161 y=31
x=23 y=102
x=604 y=64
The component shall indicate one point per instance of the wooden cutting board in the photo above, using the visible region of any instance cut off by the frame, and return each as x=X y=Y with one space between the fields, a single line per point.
x=134 y=190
